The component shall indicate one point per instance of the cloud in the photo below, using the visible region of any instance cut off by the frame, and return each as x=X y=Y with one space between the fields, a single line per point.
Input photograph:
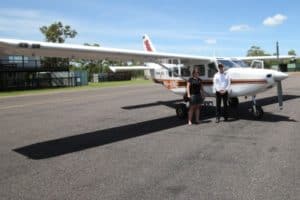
x=240 y=28
x=19 y=13
x=275 y=20
x=25 y=23
x=210 y=41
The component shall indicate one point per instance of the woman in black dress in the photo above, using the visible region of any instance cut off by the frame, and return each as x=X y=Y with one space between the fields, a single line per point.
x=195 y=94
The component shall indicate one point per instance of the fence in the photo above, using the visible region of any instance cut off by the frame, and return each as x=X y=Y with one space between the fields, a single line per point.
x=118 y=76
x=20 y=84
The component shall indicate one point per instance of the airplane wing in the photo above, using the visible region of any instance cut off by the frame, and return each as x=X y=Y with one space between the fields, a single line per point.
x=266 y=58
x=46 y=49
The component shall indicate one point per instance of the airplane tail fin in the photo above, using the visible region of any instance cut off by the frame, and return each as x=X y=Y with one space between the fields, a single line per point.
x=148 y=46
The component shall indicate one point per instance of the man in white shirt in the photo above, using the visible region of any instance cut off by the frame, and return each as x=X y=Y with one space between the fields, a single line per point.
x=221 y=87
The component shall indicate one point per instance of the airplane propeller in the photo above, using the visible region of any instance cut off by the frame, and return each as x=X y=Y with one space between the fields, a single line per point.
x=278 y=77
x=279 y=93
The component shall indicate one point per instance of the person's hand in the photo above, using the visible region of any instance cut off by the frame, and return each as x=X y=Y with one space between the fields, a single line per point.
x=187 y=98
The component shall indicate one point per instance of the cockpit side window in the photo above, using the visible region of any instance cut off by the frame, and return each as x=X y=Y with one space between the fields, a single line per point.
x=240 y=63
x=211 y=70
x=227 y=63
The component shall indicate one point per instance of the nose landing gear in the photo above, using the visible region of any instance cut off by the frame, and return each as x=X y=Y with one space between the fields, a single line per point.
x=256 y=110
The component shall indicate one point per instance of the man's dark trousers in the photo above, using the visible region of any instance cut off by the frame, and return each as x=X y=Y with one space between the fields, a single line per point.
x=220 y=96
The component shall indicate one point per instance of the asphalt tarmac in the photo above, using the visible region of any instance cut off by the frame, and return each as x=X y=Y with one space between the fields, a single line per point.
x=127 y=143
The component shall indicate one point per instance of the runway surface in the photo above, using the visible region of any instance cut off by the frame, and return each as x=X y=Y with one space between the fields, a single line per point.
x=127 y=143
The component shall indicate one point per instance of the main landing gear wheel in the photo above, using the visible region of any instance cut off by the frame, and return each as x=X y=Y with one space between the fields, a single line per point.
x=233 y=102
x=181 y=111
x=257 y=112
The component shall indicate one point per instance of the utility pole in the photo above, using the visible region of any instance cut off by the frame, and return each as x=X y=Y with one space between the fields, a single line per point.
x=277 y=53
x=277 y=50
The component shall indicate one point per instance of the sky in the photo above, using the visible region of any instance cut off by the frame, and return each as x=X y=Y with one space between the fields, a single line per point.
x=203 y=28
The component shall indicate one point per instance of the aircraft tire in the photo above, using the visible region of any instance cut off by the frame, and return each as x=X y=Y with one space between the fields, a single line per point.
x=181 y=111
x=234 y=102
x=259 y=113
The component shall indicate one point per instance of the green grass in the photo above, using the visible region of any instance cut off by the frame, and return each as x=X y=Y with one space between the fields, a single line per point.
x=65 y=89
x=118 y=83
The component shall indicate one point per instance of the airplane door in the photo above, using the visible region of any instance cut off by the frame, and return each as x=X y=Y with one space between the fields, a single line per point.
x=257 y=64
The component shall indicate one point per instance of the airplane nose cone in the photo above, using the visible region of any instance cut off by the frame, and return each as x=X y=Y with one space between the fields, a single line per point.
x=278 y=76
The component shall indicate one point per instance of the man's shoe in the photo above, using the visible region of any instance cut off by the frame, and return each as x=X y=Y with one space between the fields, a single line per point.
x=226 y=119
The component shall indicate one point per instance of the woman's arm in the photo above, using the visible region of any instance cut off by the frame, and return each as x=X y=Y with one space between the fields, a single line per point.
x=188 y=85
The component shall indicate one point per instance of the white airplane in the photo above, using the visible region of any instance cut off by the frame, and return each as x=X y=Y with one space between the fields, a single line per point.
x=171 y=70
x=245 y=80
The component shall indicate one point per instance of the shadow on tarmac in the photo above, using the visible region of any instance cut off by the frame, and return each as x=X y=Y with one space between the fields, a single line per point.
x=53 y=148
x=84 y=141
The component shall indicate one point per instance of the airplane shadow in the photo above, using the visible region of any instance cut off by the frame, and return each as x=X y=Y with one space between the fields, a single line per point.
x=62 y=146
x=84 y=141
x=242 y=111
x=170 y=104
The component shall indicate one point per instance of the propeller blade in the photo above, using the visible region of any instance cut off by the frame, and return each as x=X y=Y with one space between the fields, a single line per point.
x=279 y=94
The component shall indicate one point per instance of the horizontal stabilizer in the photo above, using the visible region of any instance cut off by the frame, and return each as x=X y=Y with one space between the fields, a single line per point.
x=127 y=68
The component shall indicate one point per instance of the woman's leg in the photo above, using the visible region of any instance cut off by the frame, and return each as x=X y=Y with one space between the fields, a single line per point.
x=191 y=112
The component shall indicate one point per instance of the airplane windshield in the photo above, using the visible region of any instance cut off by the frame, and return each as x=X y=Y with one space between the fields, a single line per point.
x=227 y=63
x=232 y=63
x=240 y=63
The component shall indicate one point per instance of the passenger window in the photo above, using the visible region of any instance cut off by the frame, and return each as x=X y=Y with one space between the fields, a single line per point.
x=201 y=69
x=185 y=72
x=211 y=70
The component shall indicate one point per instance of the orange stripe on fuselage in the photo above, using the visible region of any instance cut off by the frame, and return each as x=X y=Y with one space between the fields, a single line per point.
x=172 y=84
x=239 y=81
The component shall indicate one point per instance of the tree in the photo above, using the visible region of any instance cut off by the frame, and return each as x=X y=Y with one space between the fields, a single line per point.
x=57 y=32
x=256 y=51
x=92 y=66
x=292 y=52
